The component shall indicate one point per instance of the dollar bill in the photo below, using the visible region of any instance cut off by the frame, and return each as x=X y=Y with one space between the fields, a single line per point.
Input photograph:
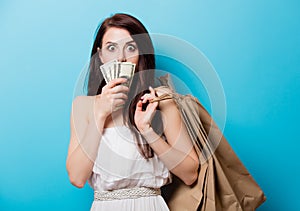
x=103 y=71
x=126 y=70
x=114 y=69
x=108 y=69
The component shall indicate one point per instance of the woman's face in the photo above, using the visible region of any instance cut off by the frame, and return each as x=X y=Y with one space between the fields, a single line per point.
x=117 y=43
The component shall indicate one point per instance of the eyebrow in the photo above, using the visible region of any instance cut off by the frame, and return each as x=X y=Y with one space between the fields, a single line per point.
x=110 y=42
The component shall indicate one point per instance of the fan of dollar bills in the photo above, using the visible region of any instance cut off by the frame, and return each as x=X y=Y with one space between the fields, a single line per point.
x=115 y=69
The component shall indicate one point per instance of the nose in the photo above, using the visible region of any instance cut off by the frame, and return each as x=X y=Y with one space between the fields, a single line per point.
x=122 y=57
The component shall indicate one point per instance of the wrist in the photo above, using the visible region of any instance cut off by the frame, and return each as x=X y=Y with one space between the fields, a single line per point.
x=100 y=113
x=150 y=135
x=101 y=116
x=145 y=129
x=99 y=120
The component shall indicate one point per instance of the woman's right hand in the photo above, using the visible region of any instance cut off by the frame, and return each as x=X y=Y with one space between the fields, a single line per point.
x=113 y=95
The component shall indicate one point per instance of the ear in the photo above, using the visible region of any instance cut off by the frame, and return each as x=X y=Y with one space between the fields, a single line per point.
x=99 y=54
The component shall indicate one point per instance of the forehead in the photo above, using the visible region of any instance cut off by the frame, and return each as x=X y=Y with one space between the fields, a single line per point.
x=117 y=35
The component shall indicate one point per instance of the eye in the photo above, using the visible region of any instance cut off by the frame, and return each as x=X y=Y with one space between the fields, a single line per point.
x=131 y=47
x=111 y=48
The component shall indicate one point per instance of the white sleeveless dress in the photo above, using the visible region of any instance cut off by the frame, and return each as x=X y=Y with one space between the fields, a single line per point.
x=119 y=165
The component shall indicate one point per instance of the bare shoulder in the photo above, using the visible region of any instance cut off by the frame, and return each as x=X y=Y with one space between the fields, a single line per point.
x=83 y=100
x=82 y=106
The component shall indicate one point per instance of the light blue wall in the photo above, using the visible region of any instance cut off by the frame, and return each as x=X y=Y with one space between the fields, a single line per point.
x=253 y=45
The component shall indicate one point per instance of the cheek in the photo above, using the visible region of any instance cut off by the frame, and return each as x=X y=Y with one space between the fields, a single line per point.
x=105 y=58
x=134 y=59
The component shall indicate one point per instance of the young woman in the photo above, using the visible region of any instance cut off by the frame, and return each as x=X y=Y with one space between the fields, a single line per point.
x=123 y=145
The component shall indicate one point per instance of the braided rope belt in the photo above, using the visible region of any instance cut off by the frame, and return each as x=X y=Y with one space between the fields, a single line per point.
x=126 y=193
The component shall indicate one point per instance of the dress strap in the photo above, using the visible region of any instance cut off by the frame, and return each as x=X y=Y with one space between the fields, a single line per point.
x=126 y=193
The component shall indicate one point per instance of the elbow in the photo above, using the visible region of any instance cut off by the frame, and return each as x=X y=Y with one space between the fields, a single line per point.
x=193 y=175
x=75 y=179
x=191 y=179
x=77 y=182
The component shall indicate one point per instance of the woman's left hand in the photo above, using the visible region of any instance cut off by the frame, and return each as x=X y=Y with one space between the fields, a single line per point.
x=142 y=118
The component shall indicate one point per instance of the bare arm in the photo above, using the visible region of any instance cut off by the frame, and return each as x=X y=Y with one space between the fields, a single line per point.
x=177 y=153
x=84 y=142
x=87 y=122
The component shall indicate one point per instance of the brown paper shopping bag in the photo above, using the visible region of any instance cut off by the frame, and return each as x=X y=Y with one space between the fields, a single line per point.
x=223 y=184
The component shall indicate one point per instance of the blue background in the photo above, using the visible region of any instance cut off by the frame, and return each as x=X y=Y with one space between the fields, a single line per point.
x=253 y=45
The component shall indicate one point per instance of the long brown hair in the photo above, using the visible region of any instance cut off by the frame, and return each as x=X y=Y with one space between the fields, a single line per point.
x=141 y=81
